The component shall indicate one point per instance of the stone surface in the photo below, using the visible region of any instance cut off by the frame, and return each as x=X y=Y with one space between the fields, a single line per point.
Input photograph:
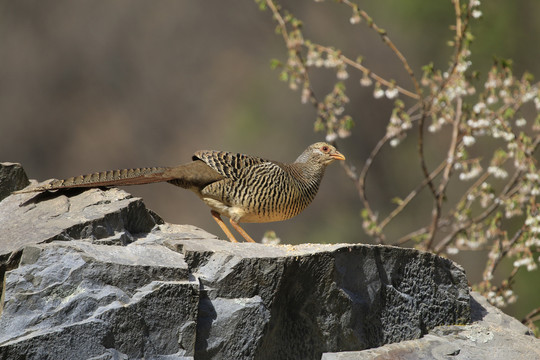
x=310 y=298
x=492 y=335
x=12 y=178
x=94 y=273
x=137 y=300
x=35 y=218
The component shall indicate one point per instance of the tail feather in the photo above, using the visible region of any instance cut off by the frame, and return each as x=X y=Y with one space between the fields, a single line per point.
x=107 y=178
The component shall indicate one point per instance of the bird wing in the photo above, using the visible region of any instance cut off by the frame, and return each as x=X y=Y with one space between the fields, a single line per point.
x=229 y=165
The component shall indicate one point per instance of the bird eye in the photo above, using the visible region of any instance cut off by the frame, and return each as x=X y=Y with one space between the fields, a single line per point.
x=325 y=148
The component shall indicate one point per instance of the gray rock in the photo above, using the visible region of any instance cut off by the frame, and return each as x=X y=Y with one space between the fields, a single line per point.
x=35 y=218
x=71 y=298
x=311 y=298
x=12 y=178
x=492 y=335
x=100 y=276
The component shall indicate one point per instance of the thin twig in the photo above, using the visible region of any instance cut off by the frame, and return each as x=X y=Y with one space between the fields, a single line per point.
x=360 y=181
x=411 y=196
x=391 y=45
x=461 y=27
x=506 y=192
x=488 y=211
x=422 y=231
x=450 y=160
x=280 y=20
x=378 y=78
x=490 y=268
x=531 y=317
x=404 y=239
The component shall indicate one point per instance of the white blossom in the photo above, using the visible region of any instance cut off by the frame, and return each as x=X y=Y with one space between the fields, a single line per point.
x=366 y=80
x=529 y=96
x=478 y=124
x=471 y=174
x=332 y=61
x=468 y=140
x=378 y=93
x=490 y=84
x=532 y=220
x=395 y=142
x=330 y=137
x=343 y=133
x=492 y=99
x=433 y=128
x=476 y=13
x=521 y=122
x=508 y=136
x=342 y=74
x=306 y=93
x=312 y=57
x=497 y=172
x=270 y=238
x=532 y=176
x=406 y=125
x=478 y=107
x=533 y=241
x=395 y=120
x=522 y=262
x=463 y=66
x=391 y=93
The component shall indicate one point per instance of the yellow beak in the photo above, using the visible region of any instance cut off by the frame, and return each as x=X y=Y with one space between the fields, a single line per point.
x=337 y=156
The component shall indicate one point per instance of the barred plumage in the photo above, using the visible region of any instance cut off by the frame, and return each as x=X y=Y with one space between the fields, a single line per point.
x=242 y=187
x=104 y=178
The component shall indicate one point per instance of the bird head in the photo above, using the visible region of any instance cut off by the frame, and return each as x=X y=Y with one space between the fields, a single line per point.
x=321 y=153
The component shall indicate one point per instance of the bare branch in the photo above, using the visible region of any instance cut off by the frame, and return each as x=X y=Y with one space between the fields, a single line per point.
x=450 y=161
x=411 y=195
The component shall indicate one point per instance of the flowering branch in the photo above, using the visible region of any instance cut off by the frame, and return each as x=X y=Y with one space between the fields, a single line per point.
x=504 y=178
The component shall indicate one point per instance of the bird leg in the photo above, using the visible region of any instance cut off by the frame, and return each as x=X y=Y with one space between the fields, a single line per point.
x=242 y=232
x=223 y=227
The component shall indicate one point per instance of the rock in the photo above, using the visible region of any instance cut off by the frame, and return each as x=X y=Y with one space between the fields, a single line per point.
x=75 y=214
x=99 y=276
x=492 y=335
x=12 y=178
x=73 y=298
x=310 y=298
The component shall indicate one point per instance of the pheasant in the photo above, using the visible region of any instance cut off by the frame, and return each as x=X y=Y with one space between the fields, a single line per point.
x=241 y=187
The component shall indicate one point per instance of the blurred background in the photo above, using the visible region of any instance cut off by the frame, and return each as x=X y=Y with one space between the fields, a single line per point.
x=90 y=85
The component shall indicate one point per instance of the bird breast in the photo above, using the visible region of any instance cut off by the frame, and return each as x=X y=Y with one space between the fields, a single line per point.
x=263 y=193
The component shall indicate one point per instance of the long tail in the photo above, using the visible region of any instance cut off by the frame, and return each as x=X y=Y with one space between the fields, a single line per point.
x=108 y=178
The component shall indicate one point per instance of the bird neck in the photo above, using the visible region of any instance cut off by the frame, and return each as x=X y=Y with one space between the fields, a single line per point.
x=309 y=174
